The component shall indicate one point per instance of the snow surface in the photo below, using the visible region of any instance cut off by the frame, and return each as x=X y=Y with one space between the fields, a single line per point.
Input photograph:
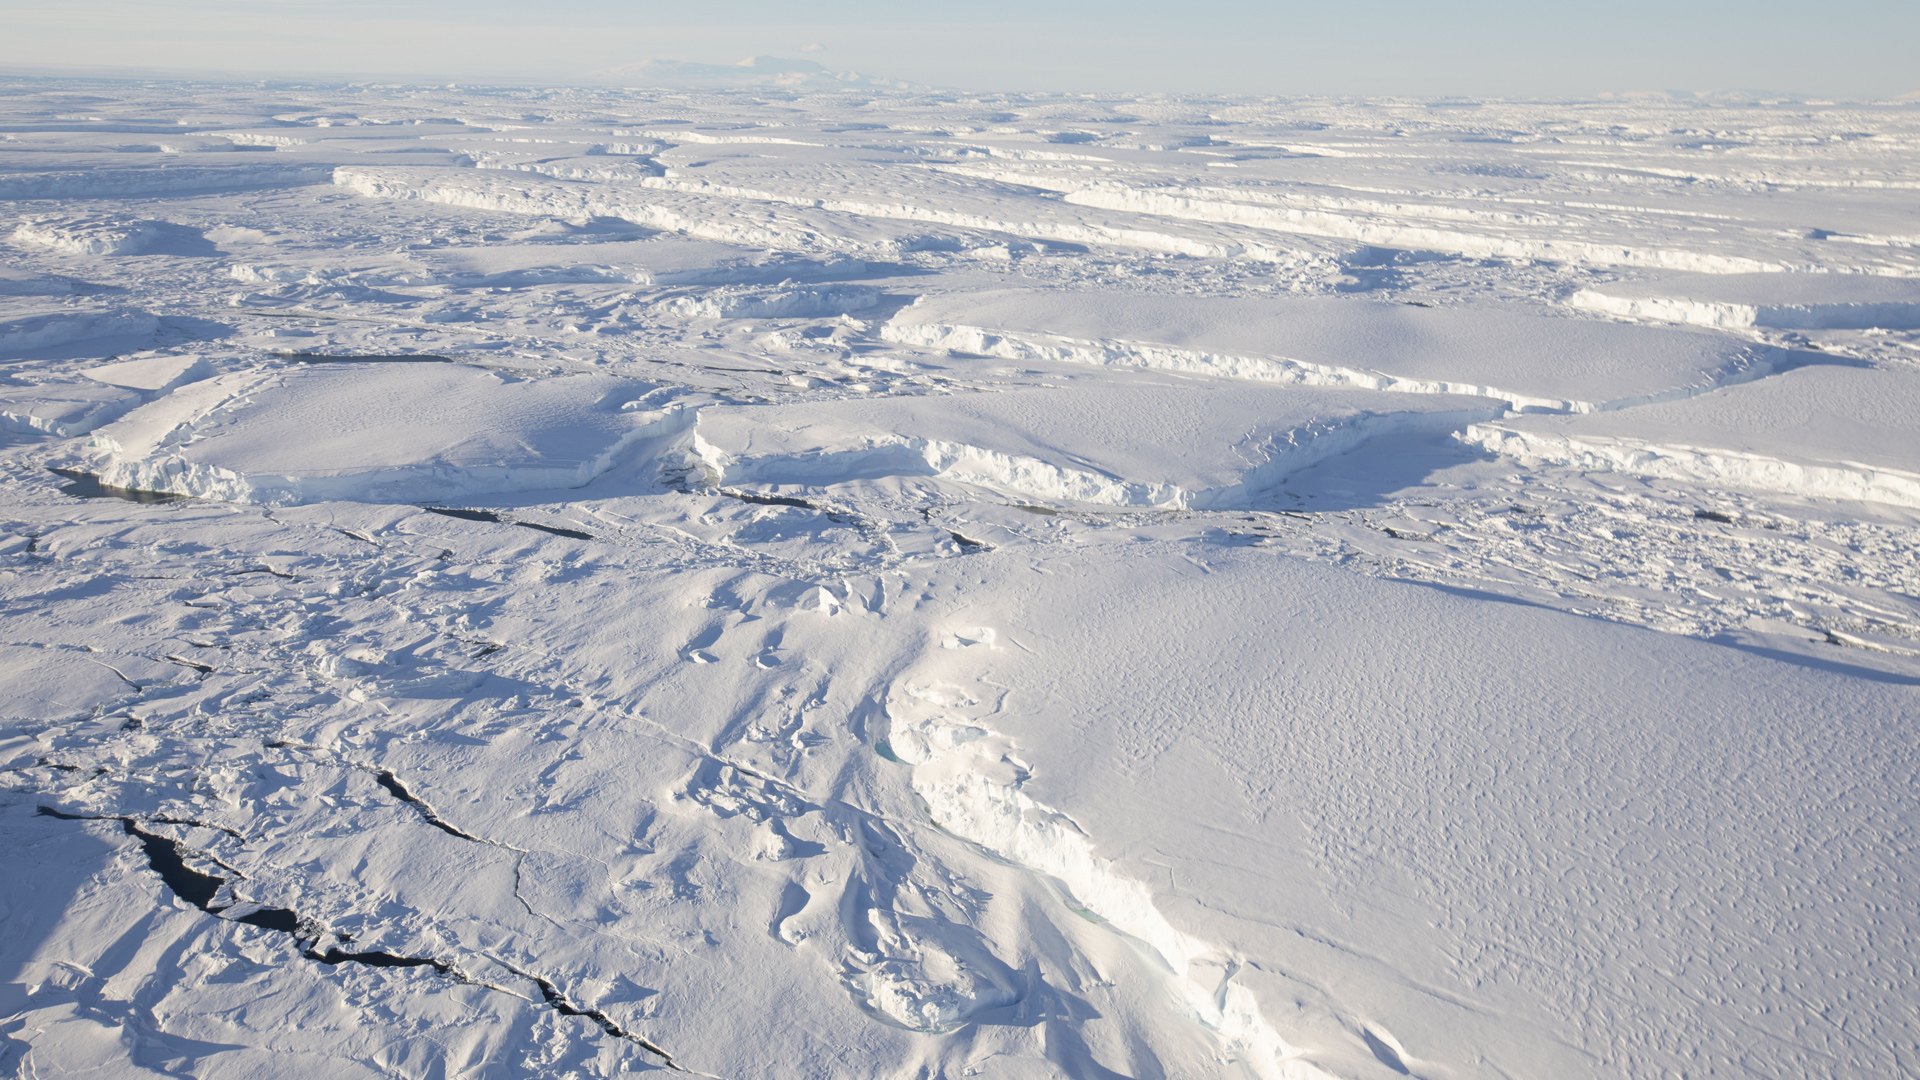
x=1528 y=361
x=828 y=580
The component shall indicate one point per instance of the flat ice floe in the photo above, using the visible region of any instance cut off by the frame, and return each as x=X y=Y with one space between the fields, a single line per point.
x=1829 y=430
x=1524 y=358
x=1153 y=441
x=374 y=432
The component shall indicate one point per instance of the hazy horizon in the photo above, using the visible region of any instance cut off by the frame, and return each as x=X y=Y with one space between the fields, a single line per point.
x=1484 y=49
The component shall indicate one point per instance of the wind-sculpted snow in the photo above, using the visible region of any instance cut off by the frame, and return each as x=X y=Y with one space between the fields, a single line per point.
x=823 y=580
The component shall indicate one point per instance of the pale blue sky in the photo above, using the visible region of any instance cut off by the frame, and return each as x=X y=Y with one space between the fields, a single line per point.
x=1847 y=48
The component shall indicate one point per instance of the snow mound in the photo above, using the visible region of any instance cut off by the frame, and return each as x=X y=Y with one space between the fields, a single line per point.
x=104 y=235
x=1784 y=301
x=40 y=329
x=1532 y=362
x=1167 y=444
x=1828 y=431
x=375 y=432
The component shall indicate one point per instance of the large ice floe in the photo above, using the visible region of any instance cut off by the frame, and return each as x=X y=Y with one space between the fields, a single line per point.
x=835 y=582
x=1516 y=357
x=1787 y=301
x=1836 y=430
x=376 y=430
x=1151 y=442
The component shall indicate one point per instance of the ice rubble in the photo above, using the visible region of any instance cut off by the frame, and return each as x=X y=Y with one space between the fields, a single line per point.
x=1161 y=442
x=379 y=432
x=1828 y=431
x=89 y=235
x=1522 y=358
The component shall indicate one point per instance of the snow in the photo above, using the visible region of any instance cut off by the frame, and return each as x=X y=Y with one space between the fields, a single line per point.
x=1515 y=356
x=25 y=329
x=375 y=432
x=1833 y=430
x=1789 y=301
x=1153 y=442
x=787 y=575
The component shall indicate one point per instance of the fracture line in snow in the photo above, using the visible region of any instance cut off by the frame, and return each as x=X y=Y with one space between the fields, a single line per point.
x=168 y=858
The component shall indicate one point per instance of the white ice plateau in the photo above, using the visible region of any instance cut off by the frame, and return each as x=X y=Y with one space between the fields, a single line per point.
x=828 y=580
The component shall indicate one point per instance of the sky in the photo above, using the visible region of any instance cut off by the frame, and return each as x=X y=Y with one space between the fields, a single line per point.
x=1507 y=48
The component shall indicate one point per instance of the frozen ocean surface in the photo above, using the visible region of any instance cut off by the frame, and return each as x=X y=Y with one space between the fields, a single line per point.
x=844 y=582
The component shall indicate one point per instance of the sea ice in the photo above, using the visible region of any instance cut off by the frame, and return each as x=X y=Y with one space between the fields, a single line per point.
x=1153 y=441
x=374 y=431
x=1521 y=357
x=832 y=580
x=1830 y=430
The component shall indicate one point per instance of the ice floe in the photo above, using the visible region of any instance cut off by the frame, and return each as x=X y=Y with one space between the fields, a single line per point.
x=1788 y=301
x=1829 y=431
x=374 y=431
x=1155 y=442
x=1523 y=358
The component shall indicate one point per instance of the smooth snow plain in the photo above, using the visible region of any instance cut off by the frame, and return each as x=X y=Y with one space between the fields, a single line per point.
x=828 y=580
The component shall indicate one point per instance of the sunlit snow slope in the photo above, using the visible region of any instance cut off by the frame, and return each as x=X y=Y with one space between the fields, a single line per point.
x=859 y=583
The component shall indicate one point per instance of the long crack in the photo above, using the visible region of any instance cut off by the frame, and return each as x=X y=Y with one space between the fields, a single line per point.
x=167 y=857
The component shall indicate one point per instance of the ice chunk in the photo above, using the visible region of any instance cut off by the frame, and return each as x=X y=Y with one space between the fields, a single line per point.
x=1829 y=430
x=375 y=432
x=1527 y=359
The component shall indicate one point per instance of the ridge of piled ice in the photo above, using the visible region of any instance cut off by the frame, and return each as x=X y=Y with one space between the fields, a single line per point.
x=1309 y=222
x=970 y=780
